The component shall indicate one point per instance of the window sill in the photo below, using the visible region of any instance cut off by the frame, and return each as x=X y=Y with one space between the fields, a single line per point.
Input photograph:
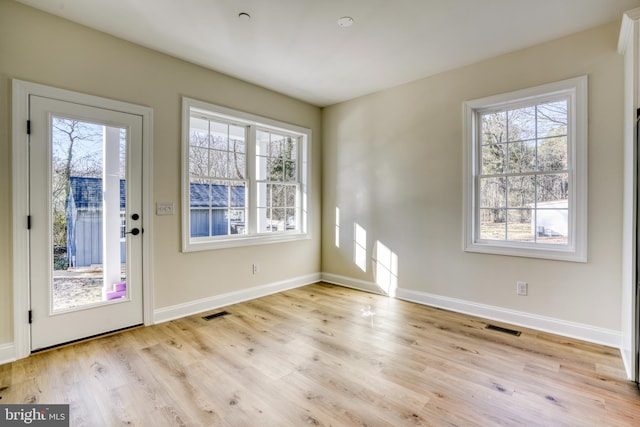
x=205 y=244
x=549 y=252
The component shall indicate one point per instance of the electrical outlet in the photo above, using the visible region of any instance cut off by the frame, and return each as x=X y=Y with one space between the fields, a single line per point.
x=256 y=268
x=164 y=208
x=522 y=288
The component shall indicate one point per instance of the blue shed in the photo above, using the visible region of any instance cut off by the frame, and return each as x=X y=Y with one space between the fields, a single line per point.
x=216 y=210
x=84 y=221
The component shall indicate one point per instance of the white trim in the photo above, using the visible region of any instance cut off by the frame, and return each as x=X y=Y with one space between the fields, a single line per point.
x=147 y=217
x=552 y=325
x=348 y=282
x=234 y=242
x=7 y=353
x=177 y=311
x=20 y=199
x=256 y=122
x=576 y=250
x=627 y=29
x=628 y=47
x=628 y=362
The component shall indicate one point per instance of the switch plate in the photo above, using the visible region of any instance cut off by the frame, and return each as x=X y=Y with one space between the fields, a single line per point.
x=164 y=208
x=522 y=288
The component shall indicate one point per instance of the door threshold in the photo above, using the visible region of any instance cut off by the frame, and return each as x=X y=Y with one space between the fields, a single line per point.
x=89 y=338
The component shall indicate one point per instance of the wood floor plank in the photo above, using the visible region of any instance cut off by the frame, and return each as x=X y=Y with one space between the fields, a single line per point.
x=325 y=355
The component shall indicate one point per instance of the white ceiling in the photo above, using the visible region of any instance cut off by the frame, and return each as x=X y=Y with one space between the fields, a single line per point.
x=296 y=47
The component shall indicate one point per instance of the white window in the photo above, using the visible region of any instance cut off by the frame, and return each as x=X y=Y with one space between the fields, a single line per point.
x=245 y=178
x=525 y=184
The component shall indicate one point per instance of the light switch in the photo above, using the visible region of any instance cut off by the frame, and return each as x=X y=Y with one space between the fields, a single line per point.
x=164 y=208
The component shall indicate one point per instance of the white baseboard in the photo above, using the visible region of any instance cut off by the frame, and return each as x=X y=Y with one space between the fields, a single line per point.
x=565 y=328
x=628 y=361
x=7 y=353
x=580 y=331
x=561 y=327
x=348 y=282
x=198 y=306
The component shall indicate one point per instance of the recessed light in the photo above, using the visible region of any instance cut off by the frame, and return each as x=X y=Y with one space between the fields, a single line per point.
x=244 y=16
x=345 y=21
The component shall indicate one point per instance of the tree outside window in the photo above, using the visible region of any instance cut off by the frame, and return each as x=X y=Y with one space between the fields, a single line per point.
x=245 y=178
x=524 y=180
x=525 y=187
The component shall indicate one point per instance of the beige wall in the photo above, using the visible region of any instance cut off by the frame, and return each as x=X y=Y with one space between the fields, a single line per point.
x=393 y=164
x=41 y=48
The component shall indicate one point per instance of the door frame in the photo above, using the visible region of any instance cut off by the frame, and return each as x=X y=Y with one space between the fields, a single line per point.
x=21 y=90
x=629 y=46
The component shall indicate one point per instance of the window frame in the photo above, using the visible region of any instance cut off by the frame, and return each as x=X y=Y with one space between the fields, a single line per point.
x=252 y=123
x=575 y=250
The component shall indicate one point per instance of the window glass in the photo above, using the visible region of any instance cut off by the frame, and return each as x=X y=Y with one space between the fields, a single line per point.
x=525 y=193
x=224 y=201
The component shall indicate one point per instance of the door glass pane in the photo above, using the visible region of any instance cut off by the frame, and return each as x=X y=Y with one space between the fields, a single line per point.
x=88 y=164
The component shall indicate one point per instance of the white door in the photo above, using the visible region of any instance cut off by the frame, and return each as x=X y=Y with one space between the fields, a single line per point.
x=85 y=196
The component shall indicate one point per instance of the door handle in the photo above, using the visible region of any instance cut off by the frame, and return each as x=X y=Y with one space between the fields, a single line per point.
x=134 y=231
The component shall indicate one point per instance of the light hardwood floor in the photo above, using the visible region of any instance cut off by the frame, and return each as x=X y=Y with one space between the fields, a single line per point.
x=328 y=356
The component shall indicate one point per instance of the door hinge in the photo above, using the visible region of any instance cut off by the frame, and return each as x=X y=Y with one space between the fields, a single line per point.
x=28 y=127
x=30 y=316
x=28 y=222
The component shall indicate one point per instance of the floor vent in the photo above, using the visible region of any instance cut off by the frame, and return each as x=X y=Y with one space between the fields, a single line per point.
x=503 y=330
x=215 y=315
